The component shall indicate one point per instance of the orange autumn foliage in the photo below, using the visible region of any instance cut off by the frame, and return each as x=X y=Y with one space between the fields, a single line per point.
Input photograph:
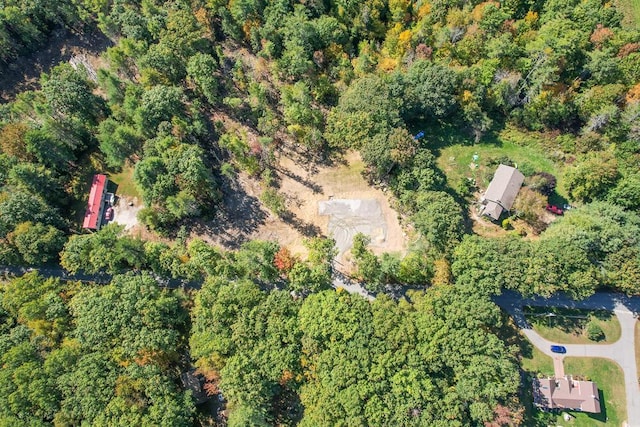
x=284 y=260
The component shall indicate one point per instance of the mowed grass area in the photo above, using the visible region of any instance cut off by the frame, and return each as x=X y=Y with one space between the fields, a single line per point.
x=529 y=151
x=124 y=181
x=567 y=326
x=631 y=12
x=537 y=362
x=610 y=380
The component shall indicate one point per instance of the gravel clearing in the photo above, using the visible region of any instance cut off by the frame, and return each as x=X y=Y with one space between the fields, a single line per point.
x=126 y=212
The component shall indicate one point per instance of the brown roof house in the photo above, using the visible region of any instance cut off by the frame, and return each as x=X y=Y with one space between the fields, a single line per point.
x=502 y=191
x=566 y=393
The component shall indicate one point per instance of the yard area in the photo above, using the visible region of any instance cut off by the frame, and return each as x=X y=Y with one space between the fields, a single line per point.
x=605 y=373
x=569 y=326
x=305 y=188
x=610 y=380
x=125 y=183
x=530 y=152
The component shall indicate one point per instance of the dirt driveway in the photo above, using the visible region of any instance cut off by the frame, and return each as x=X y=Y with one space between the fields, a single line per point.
x=125 y=212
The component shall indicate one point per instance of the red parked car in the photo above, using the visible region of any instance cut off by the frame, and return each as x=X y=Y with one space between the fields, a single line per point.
x=108 y=216
x=554 y=209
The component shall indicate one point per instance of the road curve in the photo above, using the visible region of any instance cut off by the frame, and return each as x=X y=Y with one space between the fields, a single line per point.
x=622 y=351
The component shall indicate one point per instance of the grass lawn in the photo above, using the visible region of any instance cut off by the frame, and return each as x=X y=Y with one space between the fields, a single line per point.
x=631 y=11
x=610 y=380
x=125 y=183
x=568 y=325
x=529 y=151
x=537 y=362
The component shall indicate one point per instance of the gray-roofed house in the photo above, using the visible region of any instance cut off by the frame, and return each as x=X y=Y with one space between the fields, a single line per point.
x=566 y=393
x=502 y=191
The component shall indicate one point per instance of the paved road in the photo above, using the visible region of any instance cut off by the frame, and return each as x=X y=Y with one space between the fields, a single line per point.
x=341 y=280
x=622 y=351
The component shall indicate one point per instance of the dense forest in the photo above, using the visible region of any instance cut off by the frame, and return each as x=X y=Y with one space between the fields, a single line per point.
x=312 y=79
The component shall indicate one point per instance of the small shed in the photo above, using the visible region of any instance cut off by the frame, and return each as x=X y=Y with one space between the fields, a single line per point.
x=96 y=204
x=502 y=191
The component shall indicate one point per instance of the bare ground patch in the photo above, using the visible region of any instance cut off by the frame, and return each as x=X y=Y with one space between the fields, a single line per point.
x=24 y=73
x=125 y=211
x=304 y=186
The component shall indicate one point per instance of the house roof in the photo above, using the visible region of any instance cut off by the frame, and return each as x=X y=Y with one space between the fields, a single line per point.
x=565 y=393
x=93 y=214
x=502 y=191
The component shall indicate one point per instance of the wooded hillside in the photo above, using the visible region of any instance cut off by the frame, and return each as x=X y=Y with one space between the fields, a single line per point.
x=193 y=95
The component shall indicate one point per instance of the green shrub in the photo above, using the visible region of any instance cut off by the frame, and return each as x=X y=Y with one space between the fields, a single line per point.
x=465 y=187
x=274 y=201
x=526 y=168
x=227 y=170
x=594 y=331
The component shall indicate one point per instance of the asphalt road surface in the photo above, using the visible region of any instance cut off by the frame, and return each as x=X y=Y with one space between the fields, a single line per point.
x=622 y=351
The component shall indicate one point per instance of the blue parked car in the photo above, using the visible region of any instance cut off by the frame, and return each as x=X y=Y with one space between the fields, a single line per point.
x=558 y=349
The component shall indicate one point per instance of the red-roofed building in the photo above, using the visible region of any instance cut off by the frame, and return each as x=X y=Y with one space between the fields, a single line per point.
x=95 y=207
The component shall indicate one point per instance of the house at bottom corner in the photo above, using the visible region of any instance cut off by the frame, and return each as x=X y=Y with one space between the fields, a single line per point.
x=94 y=214
x=502 y=192
x=566 y=393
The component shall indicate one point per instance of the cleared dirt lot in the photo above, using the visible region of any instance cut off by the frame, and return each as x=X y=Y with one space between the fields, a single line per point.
x=304 y=187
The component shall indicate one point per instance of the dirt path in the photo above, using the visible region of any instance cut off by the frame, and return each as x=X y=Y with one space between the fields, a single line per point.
x=24 y=73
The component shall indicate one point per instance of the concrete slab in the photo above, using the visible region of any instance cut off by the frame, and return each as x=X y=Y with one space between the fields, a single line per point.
x=347 y=217
x=126 y=212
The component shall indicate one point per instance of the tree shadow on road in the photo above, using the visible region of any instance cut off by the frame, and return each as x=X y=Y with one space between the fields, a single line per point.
x=510 y=334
